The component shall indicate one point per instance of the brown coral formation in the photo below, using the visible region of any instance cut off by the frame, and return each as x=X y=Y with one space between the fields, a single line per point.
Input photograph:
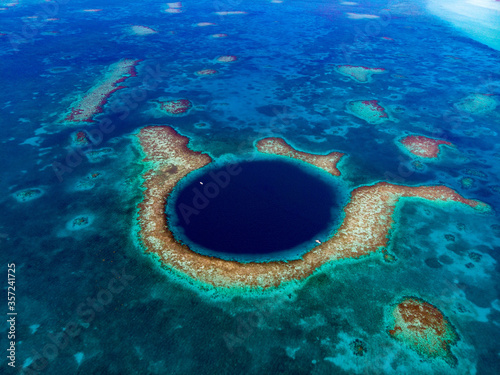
x=91 y=103
x=423 y=146
x=423 y=328
x=277 y=146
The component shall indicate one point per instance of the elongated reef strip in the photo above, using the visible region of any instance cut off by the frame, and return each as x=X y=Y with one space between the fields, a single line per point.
x=91 y=103
x=277 y=146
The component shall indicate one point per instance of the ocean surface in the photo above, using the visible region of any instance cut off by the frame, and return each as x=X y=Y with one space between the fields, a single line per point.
x=90 y=299
x=270 y=209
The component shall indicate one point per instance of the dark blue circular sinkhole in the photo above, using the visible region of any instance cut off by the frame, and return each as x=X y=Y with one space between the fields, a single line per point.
x=254 y=210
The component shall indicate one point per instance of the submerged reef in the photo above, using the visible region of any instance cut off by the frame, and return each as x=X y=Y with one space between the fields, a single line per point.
x=79 y=222
x=203 y=24
x=226 y=59
x=423 y=146
x=230 y=13
x=79 y=139
x=178 y=107
x=467 y=182
x=28 y=194
x=477 y=104
x=95 y=156
x=142 y=30
x=423 y=328
x=368 y=110
x=91 y=103
x=358 y=347
x=364 y=230
x=359 y=74
x=359 y=16
x=206 y=72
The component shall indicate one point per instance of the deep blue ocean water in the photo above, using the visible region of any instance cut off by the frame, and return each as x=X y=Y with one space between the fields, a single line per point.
x=262 y=207
x=73 y=318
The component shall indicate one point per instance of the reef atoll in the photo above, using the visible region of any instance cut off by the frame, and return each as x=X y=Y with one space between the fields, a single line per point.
x=364 y=230
x=423 y=147
x=477 y=104
x=359 y=74
x=226 y=59
x=423 y=328
x=369 y=110
x=142 y=30
x=206 y=72
x=179 y=107
x=28 y=194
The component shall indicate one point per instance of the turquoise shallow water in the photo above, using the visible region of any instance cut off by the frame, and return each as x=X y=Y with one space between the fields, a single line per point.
x=90 y=301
